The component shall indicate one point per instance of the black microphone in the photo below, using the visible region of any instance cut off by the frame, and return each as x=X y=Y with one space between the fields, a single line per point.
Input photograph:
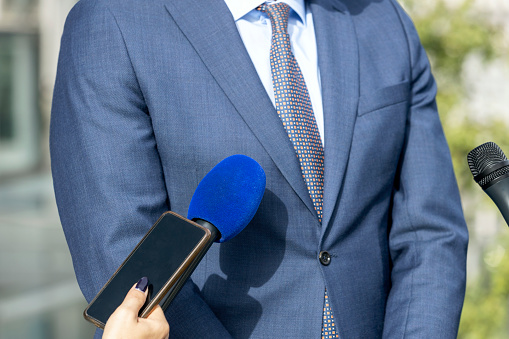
x=224 y=202
x=490 y=169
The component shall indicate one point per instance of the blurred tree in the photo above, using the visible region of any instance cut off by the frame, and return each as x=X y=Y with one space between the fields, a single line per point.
x=486 y=303
x=451 y=32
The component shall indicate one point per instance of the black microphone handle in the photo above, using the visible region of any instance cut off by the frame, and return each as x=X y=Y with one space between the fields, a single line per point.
x=181 y=281
x=499 y=193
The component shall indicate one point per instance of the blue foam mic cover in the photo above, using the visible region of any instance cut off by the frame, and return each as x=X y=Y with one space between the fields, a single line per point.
x=229 y=195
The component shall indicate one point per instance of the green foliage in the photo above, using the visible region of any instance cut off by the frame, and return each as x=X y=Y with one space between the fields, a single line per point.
x=450 y=34
x=485 y=312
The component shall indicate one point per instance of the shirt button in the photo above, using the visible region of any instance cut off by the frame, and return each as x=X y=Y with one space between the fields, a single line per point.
x=324 y=257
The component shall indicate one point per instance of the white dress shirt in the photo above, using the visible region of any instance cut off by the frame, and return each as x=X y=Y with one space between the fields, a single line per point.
x=256 y=32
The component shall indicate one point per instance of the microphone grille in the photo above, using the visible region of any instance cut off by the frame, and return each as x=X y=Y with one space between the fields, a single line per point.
x=494 y=175
x=485 y=157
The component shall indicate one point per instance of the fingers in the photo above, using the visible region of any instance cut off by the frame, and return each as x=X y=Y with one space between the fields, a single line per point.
x=135 y=298
x=159 y=327
x=157 y=314
x=124 y=322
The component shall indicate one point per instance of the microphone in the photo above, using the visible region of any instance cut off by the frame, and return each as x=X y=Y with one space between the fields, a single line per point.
x=224 y=202
x=490 y=169
x=229 y=195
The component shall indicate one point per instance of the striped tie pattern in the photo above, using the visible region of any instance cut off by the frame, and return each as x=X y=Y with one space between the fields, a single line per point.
x=294 y=108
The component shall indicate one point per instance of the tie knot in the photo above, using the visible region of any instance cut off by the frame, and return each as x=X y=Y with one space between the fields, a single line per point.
x=278 y=15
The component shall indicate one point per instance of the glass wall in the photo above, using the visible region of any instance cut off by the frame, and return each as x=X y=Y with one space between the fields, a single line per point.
x=19 y=122
x=39 y=295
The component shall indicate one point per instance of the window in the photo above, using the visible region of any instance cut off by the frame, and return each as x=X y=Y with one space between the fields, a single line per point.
x=19 y=130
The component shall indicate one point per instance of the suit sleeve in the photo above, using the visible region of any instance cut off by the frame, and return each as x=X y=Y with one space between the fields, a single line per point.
x=428 y=236
x=108 y=178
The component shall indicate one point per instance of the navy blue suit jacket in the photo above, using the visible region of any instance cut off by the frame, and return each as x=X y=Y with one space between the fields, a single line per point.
x=151 y=94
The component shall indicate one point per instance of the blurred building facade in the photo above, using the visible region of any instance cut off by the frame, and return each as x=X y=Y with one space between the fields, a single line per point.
x=39 y=296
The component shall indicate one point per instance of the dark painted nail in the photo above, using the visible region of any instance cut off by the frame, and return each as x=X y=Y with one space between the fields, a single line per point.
x=142 y=284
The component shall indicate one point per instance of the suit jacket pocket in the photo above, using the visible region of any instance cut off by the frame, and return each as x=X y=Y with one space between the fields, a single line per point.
x=384 y=97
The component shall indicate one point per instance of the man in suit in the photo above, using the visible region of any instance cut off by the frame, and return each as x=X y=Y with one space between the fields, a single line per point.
x=150 y=95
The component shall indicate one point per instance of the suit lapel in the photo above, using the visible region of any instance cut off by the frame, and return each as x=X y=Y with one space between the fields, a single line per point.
x=212 y=32
x=339 y=72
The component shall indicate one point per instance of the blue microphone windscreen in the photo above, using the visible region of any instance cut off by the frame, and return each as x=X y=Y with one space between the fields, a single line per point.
x=229 y=195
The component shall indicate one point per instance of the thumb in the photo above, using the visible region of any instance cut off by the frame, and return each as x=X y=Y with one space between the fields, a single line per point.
x=135 y=298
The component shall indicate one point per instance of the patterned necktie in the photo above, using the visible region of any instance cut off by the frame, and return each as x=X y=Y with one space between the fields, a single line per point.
x=293 y=106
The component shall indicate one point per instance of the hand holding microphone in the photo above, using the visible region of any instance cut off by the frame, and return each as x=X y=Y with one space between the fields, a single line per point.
x=224 y=202
x=125 y=323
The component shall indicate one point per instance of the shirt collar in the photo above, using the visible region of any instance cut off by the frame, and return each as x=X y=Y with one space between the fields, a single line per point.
x=240 y=8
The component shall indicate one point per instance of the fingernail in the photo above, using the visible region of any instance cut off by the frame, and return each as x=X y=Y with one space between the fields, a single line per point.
x=142 y=284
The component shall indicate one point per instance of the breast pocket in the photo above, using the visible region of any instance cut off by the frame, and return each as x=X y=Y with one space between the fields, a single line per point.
x=384 y=98
x=379 y=133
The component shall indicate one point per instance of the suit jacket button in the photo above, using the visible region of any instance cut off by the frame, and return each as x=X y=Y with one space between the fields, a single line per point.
x=324 y=258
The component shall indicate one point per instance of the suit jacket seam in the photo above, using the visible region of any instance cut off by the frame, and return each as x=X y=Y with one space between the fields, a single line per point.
x=412 y=227
x=168 y=203
x=410 y=57
x=128 y=55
